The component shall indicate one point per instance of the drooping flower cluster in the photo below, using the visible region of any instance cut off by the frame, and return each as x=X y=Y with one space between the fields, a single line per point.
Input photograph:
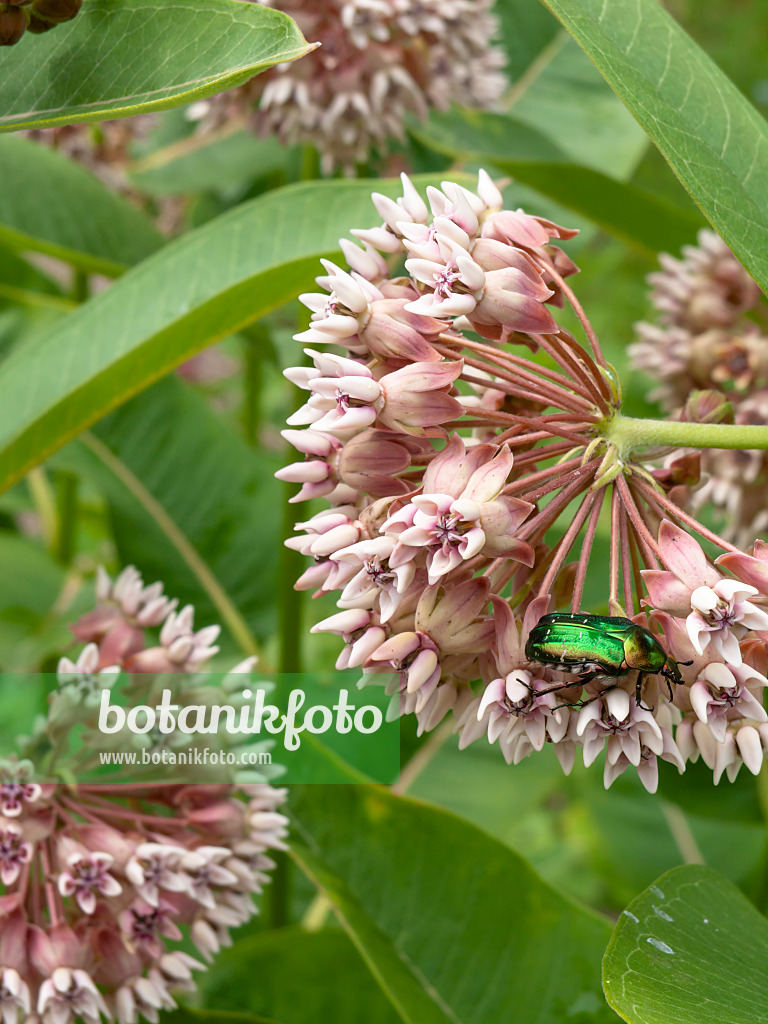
x=462 y=473
x=104 y=882
x=378 y=61
x=705 y=338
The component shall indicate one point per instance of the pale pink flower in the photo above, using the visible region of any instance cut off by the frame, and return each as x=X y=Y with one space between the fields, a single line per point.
x=716 y=610
x=515 y=711
x=473 y=517
x=69 y=995
x=361 y=631
x=87 y=876
x=616 y=722
x=416 y=657
x=202 y=868
x=15 y=793
x=724 y=692
x=14 y=996
x=154 y=866
x=14 y=852
x=181 y=649
x=375 y=581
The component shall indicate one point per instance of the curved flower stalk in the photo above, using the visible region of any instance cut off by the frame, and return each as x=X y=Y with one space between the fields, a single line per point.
x=378 y=61
x=708 y=336
x=104 y=882
x=470 y=449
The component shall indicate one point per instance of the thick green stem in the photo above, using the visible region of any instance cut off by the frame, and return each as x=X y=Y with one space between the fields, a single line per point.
x=290 y=602
x=65 y=537
x=628 y=433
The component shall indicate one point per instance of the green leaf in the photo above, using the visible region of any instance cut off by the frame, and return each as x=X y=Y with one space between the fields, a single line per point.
x=194 y=1015
x=297 y=977
x=454 y=925
x=564 y=97
x=210 y=535
x=713 y=139
x=633 y=215
x=197 y=290
x=691 y=949
x=527 y=31
x=32 y=580
x=65 y=211
x=639 y=836
x=202 y=162
x=30 y=620
x=123 y=57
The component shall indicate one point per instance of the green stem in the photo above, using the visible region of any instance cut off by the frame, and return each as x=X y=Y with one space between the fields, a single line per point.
x=628 y=433
x=290 y=601
x=256 y=341
x=66 y=527
x=80 y=286
x=279 y=892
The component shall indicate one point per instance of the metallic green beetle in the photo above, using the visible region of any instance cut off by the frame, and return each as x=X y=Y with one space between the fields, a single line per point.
x=594 y=645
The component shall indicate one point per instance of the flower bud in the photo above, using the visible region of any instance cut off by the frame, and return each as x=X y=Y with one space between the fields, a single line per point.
x=56 y=11
x=13 y=25
x=38 y=25
x=707 y=407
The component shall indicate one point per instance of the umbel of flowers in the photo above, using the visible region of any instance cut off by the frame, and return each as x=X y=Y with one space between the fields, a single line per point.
x=468 y=448
x=102 y=883
x=377 y=61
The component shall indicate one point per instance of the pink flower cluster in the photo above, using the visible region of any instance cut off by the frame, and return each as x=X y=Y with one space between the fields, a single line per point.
x=378 y=61
x=105 y=882
x=434 y=440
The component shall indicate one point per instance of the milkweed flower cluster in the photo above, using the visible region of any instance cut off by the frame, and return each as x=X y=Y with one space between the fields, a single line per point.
x=707 y=336
x=378 y=60
x=104 y=883
x=462 y=440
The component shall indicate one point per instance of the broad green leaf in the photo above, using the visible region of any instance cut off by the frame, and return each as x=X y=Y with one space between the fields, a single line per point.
x=713 y=139
x=565 y=97
x=691 y=949
x=194 y=1015
x=30 y=627
x=556 y=90
x=202 y=162
x=454 y=925
x=192 y=505
x=196 y=290
x=122 y=57
x=65 y=211
x=527 y=32
x=18 y=273
x=637 y=217
x=31 y=579
x=638 y=836
x=297 y=977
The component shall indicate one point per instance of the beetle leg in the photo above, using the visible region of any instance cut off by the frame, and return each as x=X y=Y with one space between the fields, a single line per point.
x=583 y=703
x=639 y=692
x=668 y=681
x=565 y=686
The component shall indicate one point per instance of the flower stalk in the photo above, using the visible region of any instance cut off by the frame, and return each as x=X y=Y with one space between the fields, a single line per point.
x=629 y=433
